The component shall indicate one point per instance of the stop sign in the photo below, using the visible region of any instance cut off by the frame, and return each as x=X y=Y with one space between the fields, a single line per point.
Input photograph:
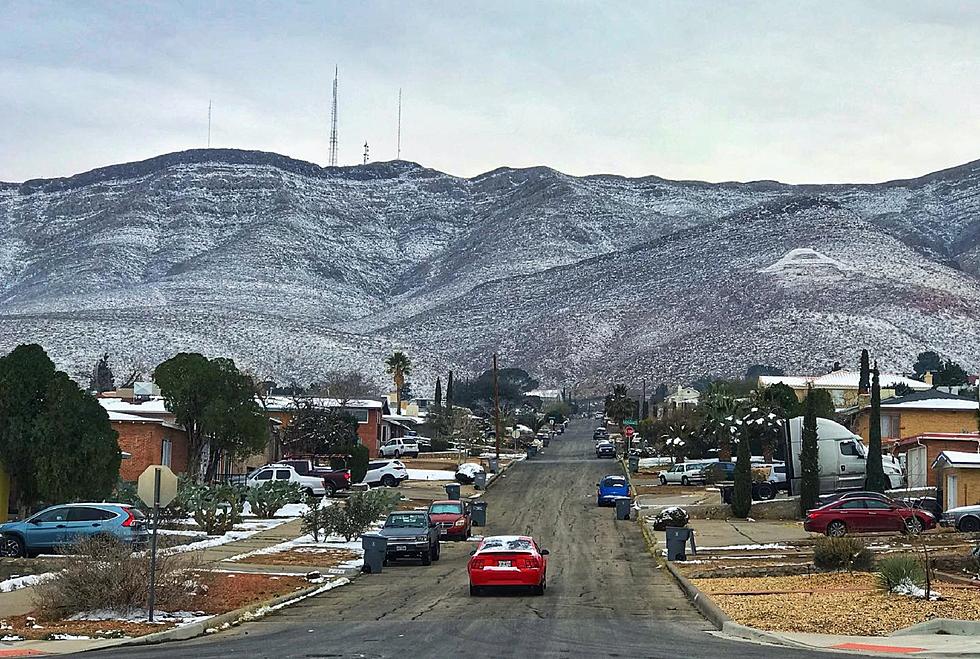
x=628 y=431
x=146 y=486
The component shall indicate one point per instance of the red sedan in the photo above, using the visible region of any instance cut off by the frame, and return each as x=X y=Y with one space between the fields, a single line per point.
x=508 y=560
x=863 y=515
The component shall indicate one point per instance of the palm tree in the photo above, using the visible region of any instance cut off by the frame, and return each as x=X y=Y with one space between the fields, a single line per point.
x=398 y=365
x=722 y=412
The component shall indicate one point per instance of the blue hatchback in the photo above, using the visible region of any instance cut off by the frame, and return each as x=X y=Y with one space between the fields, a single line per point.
x=610 y=489
x=63 y=525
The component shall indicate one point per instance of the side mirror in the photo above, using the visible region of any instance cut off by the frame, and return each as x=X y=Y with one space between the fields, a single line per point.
x=472 y=552
x=545 y=552
x=35 y=521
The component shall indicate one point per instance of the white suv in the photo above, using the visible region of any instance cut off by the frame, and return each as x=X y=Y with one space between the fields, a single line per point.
x=389 y=473
x=684 y=473
x=276 y=472
x=399 y=446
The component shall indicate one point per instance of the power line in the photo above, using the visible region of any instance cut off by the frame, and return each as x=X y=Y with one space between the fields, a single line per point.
x=333 y=121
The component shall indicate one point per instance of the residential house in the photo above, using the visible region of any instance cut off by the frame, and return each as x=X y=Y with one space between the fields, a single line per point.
x=372 y=431
x=680 y=399
x=958 y=473
x=918 y=413
x=918 y=452
x=842 y=385
x=548 y=396
x=148 y=441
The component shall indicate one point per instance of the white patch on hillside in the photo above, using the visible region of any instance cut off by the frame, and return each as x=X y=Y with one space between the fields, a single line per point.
x=804 y=259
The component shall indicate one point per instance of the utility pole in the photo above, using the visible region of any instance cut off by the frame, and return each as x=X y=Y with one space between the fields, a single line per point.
x=496 y=405
x=643 y=402
x=333 y=121
x=209 y=123
x=365 y=153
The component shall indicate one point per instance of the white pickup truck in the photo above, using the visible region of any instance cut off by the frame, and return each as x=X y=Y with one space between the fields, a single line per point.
x=278 y=472
x=399 y=446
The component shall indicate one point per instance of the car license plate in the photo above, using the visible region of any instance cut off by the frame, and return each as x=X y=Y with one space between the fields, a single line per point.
x=401 y=548
x=503 y=563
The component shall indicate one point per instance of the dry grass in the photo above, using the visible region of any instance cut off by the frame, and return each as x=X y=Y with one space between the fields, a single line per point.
x=824 y=607
x=318 y=557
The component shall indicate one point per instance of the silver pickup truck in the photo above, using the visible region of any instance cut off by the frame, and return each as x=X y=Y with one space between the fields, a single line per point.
x=411 y=534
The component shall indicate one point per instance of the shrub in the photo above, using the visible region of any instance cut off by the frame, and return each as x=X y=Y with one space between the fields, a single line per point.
x=842 y=554
x=313 y=521
x=903 y=569
x=266 y=500
x=358 y=463
x=742 y=495
x=674 y=516
x=107 y=575
x=215 y=508
x=361 y=510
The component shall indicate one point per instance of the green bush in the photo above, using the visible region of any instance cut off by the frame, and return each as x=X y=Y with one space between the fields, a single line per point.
x=903 y=568
x=266 y=499
x=313 y=521
x=842 y=554
x=215 y=508
x=358 y=463
x=360 y=511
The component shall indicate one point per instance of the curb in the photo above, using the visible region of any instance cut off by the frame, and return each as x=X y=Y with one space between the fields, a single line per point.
x=736 y=630
x=701 y=602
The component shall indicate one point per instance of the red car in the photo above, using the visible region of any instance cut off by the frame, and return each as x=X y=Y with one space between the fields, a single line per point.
x=452 y=518
x=508 y=560
x=863 y=515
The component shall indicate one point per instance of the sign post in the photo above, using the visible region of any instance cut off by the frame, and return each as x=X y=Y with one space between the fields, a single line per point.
x=156 y=487
x=515 y=434
x=628 y=431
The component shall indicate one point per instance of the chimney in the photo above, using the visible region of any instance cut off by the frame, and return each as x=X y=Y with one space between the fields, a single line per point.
x=928 y=378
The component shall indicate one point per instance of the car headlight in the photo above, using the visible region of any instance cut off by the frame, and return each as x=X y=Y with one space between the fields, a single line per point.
x=422 y=538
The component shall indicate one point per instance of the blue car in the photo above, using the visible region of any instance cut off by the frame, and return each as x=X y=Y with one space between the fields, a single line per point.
x=610 y=489
x=63 y=525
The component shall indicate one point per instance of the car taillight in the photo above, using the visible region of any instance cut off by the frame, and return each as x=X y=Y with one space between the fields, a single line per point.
x=479 y=563
x=347 y=475
x=130 y=518
x=527 y=563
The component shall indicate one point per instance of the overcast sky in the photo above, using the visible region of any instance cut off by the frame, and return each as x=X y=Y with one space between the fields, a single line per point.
x=794 y=91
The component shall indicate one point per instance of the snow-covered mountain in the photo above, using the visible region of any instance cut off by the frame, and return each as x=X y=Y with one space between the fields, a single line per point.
x=294 y=269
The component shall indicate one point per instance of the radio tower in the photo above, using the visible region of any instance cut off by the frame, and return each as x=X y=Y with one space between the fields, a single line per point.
x=333 y=123
x=365 y=153
x=398 y=154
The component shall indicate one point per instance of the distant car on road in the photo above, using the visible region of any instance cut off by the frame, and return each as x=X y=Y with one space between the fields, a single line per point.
x=508 y=560
x=867 y=515
x=961 y=518
x=399 y=446
x=452 y=518
x=605 y=450
x=411 y=534
x=62 y=525
x=611 y=488
x=685 y=473
x=389 y=473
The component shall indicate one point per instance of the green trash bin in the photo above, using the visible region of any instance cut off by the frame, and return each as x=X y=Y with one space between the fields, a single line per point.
x=677 y=538
x=480 y=480
x=479 y=513
x=452 y=491
x=375 y=548
x=634 y=463
x=623 y=508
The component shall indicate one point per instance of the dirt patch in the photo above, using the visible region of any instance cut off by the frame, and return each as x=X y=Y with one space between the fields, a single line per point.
x=319 y=557
x=848 y=603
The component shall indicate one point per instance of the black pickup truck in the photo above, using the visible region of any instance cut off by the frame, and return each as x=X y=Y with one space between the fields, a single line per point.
x=334 y=480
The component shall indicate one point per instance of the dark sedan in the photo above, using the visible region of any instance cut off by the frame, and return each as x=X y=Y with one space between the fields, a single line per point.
x=605 y=450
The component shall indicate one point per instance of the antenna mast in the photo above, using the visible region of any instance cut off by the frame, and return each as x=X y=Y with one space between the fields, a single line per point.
x=398 y=155
x=365 y=152
x=333 y=122
x=209 y=123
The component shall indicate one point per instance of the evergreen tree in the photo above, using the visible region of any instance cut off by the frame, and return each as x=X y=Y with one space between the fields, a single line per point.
x=864 y=383
x=437 y=404
x=742 y=496
x=925 y=362
x=823 y=404
x=449 y=395
x=875 y=480
x=809 y=457
x=660 y=393
x=102 y=378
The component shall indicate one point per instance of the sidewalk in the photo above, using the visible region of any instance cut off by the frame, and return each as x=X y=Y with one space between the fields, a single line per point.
x=917 y=645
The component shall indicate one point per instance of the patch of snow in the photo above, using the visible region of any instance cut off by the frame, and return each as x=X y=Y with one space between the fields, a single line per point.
x=773 y=545
x=431 y=475
x=17 y=583
x=263 y=611
x=906 y=587
x=179 y=618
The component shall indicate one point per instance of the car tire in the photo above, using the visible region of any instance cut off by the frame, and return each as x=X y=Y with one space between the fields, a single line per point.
x=329 y=490
x=426 y=558
x=309 y=492
x=389 y=481
x=663 y=480
x=914 y=525
x=475 y=591
x=766 y=491
x=397 y=454
x=836 y=529
x=969 y=525
x=685 y=480
x=437 y=554
x=12 y=547
x=539 y=589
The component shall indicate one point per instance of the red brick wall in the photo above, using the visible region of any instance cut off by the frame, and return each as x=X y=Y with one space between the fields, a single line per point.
x=370 y=432
x=144 y=442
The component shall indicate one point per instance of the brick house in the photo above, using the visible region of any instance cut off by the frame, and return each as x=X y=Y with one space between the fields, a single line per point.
x=372 y=431
x=148 y=441
x=922 y=412
x=919 y=452
x=958 y=473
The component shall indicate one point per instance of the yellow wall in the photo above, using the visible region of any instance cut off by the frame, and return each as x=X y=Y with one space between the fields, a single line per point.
x=917 y=422
x=967 y=485
x=4 y=495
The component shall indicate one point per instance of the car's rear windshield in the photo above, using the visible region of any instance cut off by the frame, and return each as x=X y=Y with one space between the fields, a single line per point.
x=137 y=513
x=444 y=508
x=406 y=521
x=614 y=482
x=507 y=544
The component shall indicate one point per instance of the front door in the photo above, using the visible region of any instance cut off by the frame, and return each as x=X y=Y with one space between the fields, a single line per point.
x=48 y=529
x=881 y=516
x=951 y=493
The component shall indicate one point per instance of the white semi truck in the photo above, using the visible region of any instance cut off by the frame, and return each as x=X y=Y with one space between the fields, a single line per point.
x=842 y=456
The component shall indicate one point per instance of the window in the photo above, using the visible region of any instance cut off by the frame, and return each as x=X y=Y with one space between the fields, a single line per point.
x=282 y=474
x=890 y=427
x=53 y=515
x=852 y=504
x=360 y=414
x=446 y=509
x=167 y=452
x=265 y=475
x=848 y=448
x=876 y=505
x=82 y=514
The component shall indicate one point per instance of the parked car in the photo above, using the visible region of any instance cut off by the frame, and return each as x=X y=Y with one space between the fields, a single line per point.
x=856 y=494
x=508 y=560
x=611 y=488
x=865 y=514
x=334 y=480
x=411 y=534
x=605 y=450
x=389 y=473
x=929 y=504
x=452 y=518
x=312 y=485
x=961 y=518
x=685 y=473
x=399 y=446
x=62 y=525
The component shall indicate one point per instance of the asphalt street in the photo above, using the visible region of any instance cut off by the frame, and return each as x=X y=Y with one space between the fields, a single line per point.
x=605 y=597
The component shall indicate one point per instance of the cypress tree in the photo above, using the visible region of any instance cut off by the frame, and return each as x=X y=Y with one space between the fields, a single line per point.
x=809 y=458
x=864 y=383
x=875 y=480
x=742 y=497
x=438 y=400
x=449 y=394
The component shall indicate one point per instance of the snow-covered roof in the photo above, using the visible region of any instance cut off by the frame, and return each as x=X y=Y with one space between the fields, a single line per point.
x=283 y=403
x=958 y=459
x=972 y=437
x=544 y=393
x=151 y=407
x=933 y=404
x=122 y=417
x=841 y=380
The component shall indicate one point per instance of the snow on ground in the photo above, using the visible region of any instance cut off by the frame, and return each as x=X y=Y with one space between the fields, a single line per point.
x=307 y=542
x=654 y=462
x=431 y=475
x=180 y=618
x=906 y=587
x=17 y=583
x=211 y=541
x=773 y=545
